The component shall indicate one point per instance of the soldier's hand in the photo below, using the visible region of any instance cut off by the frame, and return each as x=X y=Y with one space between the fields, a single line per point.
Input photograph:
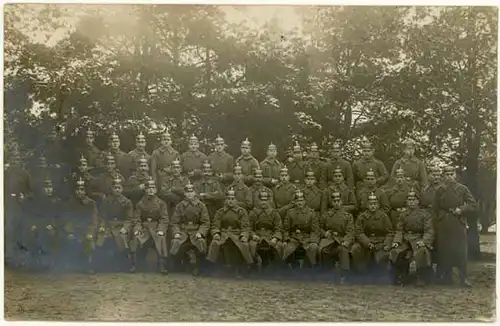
x=198 y=236
x=345 y=244
x=216 y=236
x=102 y=229
x=160 y=233
x=33 y=228
x=71 y=236
x=123 y=231
x=49 y=227
x=191 y=173
x=203 y=194
x=313 y=245
x=328 y=234
x=395 y=245
x=387 y=248
x=255 y=237
x=274 y=181
x=244 y=239
x=458 y=211
x=90 y=236
x=420 y=243
x=137 y=233
x=177 y=236
x=371 y=246
x=142 y=186
x=274 y=241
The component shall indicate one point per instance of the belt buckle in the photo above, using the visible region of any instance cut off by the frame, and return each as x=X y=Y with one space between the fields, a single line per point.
x=372 y=235
x=149 y=219
x=190 y=223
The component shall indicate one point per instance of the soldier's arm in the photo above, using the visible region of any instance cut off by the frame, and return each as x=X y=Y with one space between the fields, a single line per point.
x=248 y=199
x=245 y=224
x=470 y=203
x=137 y=225
x=384 y=202
x=322 y=222
x=95 y=219
x=390 y=230
x=360 y=232
x=204 y=221
x=164 y=218
x=315 y=231
x=217 y=192
x=278 y=226
x=267 y=178
x=395 y=167
x=350 y=231
x=398 y=236
x=252 y=217
x=422 y=172
x=325 y=201
x=215 y=228
x=428 y=237
x=351 y=204
x=271 y=199
x=176 y=219
x=349 y=177
x=286 y=226
x=129 y=215
x=382 y=171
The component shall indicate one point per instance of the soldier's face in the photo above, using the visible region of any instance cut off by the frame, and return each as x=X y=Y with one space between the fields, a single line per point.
x=449 y=176
x=258 y=178
x=177 y=169
x=165 y=140
x=43 y=162
x=409 y=151
x=89 y=139
x=115 y=143
x=371 y=181
x=297 y=155
x=336 y=203
x=111 y=166
x=245 y=150
x=310 y=181
x=151 y=190
x=190 y=193
x=284 y=177
x=140 y=143
x=193 y=146
x=400 y=178
x=231 y=201
x=264 y=202
x=48 y=190
x=338 y=178
x=372 y=205
x=314 y=152
x=117 y=190
x=300 y=202
x=143 y=167
x=412 y=202
x=272 y=153
x=238 y=175
x=367 y=152
x=434 y=176
x=83 y=167
x=80 y=192
x=335 y=152
x=219 y=147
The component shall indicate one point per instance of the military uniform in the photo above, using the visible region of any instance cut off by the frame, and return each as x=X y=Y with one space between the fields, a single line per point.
x=243 y=193
x=134 y=157
x=346 y=168
x=161 y=160
x=284 y=193
x=133 y=189
x=122 y=162
x=270 y=170
x=93 y=155
x=266 y=224
x=297 y=171
x=213 y=193
x=105 y=182
x=364 y=193
x=347 y=196
x=314 y=197
x=192 y=162
x=318 y=166
x=256 y=189
x=360 y=167
x=414 y=170
x=222 y=163
x=397 y=200
x=172 y=190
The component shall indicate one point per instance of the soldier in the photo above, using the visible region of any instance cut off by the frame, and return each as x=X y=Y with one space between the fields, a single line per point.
x=172 y=186
x=192 y=159
x=117 y=217
x=121 y=158
x=230 y=231
x=41 y=172
x=266 y=235
x=209 y=190
x=314 y=196
x=152 y=222
x=397 y=196
x=413 y=241
x=257 y=187
x=80 y=222
x=369 y=187
x=162 y=158
x=222 y=163
x=429 y=191
x=190 y=226
x=242 y=192
x=346 y=193
x=374 y=235
x=414 y=169
x=284 y=193
x=135 y=185
x=91 y=152
x=271 y=167
x=337 y=162
x=451 y=202
x=138 y=153
x=247 y=162
x=369 y=162
x=301 y=233
x=18 y=182
x=317 y=165
x=297 y=167
x=105 y=180
x=91 y=181
x=337 y=230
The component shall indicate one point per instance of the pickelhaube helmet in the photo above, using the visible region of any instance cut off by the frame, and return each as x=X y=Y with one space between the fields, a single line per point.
x=284 y=169
x=366 y=144
x=189 y=186
x=193 y=139
x=309 y=174
x=237 y=167
x=110 y=158
x=82 y=159
x=257 y=172
x=335 y=195
x=296 y=147
x=400 y=171
x=370 y=173
x=230 y=192
x=80 y=183
x=272 y=147
x=117 y=181
x=314 y=147
x=176 y=162
x=140 y=136
x=219 y=140
x=338 y=170
x=412 y=194
x=245 y=143
x=263 y=195
x=150 y=183
x=206 y=164
x=113 y=136
x=47 y=182
x=372 y=197
x=299 y=195
x=143 y=160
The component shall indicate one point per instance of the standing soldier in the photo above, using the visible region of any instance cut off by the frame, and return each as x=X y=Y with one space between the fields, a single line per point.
x=271 y=167
x=138 y=153
x=257 y=187
x=370 y=187
x=135 y=185
x=301 y=232
x=190 y=226
x=266 y=234
x=192 y=159
x=222 y=162
x=117 y=215
x=397 y=196
x=91 y=181
x=230 y=231
x=374 y=233
x=317 y=165
x=247 y=162
x=172 y=186
x=337 y=162
x=91 y=152
x=152 y=222
x=242 y=192
x=413 y=241
x=163 y=157
x=209 y=190
x=337 y=230
x=429 y=191
x=106 y=179
x=451 y=202
x=346 y=193
x=414 y=169
x=297 y=167
x=121 y=158
x=41 y=172
x=314 y=196
x=284 y=193
x=369 y=163
x=80 y=225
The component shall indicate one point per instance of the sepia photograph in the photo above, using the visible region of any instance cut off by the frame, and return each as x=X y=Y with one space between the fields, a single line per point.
x=249 y=163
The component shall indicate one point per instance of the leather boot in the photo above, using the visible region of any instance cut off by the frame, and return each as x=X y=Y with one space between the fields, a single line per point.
x=132 y=259
x=161 y=265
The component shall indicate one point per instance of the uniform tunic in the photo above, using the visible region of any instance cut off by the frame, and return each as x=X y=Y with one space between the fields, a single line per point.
x=314 y=197
x=190 y=217
x=397 y=196
x=266 y=224
x=232 y=224
x=346 y=168
x=375 y=228
x=364 y=193
x=363 y=165
x=222 y=165
x=271 y=169
x=152 y=216
x=297 y=171
x=93 y=155
x=301 y=228
x=134 y=157
x=347 y=196
x=243 y=194
x=340 y=223
x=116 y=212
x=451 y=229
x=122 y=162
x=248 y=165
x=214 y=197
x=414 y=170
x=132 y=188
x=256 y=189
x=284 y=193
x=105 y=182
x=318 y=166
x=172 y=189
x=161 y=160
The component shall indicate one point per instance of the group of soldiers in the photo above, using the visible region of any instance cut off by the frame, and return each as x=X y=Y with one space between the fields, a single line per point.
x=308 y=214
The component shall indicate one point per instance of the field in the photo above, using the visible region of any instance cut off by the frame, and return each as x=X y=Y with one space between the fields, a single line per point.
x=151 y=297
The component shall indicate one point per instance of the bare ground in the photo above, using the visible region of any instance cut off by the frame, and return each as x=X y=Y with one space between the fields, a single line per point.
x=152 y=297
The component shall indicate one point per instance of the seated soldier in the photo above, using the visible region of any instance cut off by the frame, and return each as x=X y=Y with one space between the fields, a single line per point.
x=84 y=172
x=209 y=189
x=116 y=219
x=192 y=159
x=297 y=166
x=265 y=243
x=346 y=193
x=313 y=194
x=370 y=187
x=135 y=185
x=337 y=229
x=190 y=226
x=230 y=231
x=105 y=180
x=413 y=242
x=271 y=167
x=257 y=187
x=397 y=196
x=172 y=186
x=301 y=233
x=152 y=223
x=373 y=239
x=242 y=191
